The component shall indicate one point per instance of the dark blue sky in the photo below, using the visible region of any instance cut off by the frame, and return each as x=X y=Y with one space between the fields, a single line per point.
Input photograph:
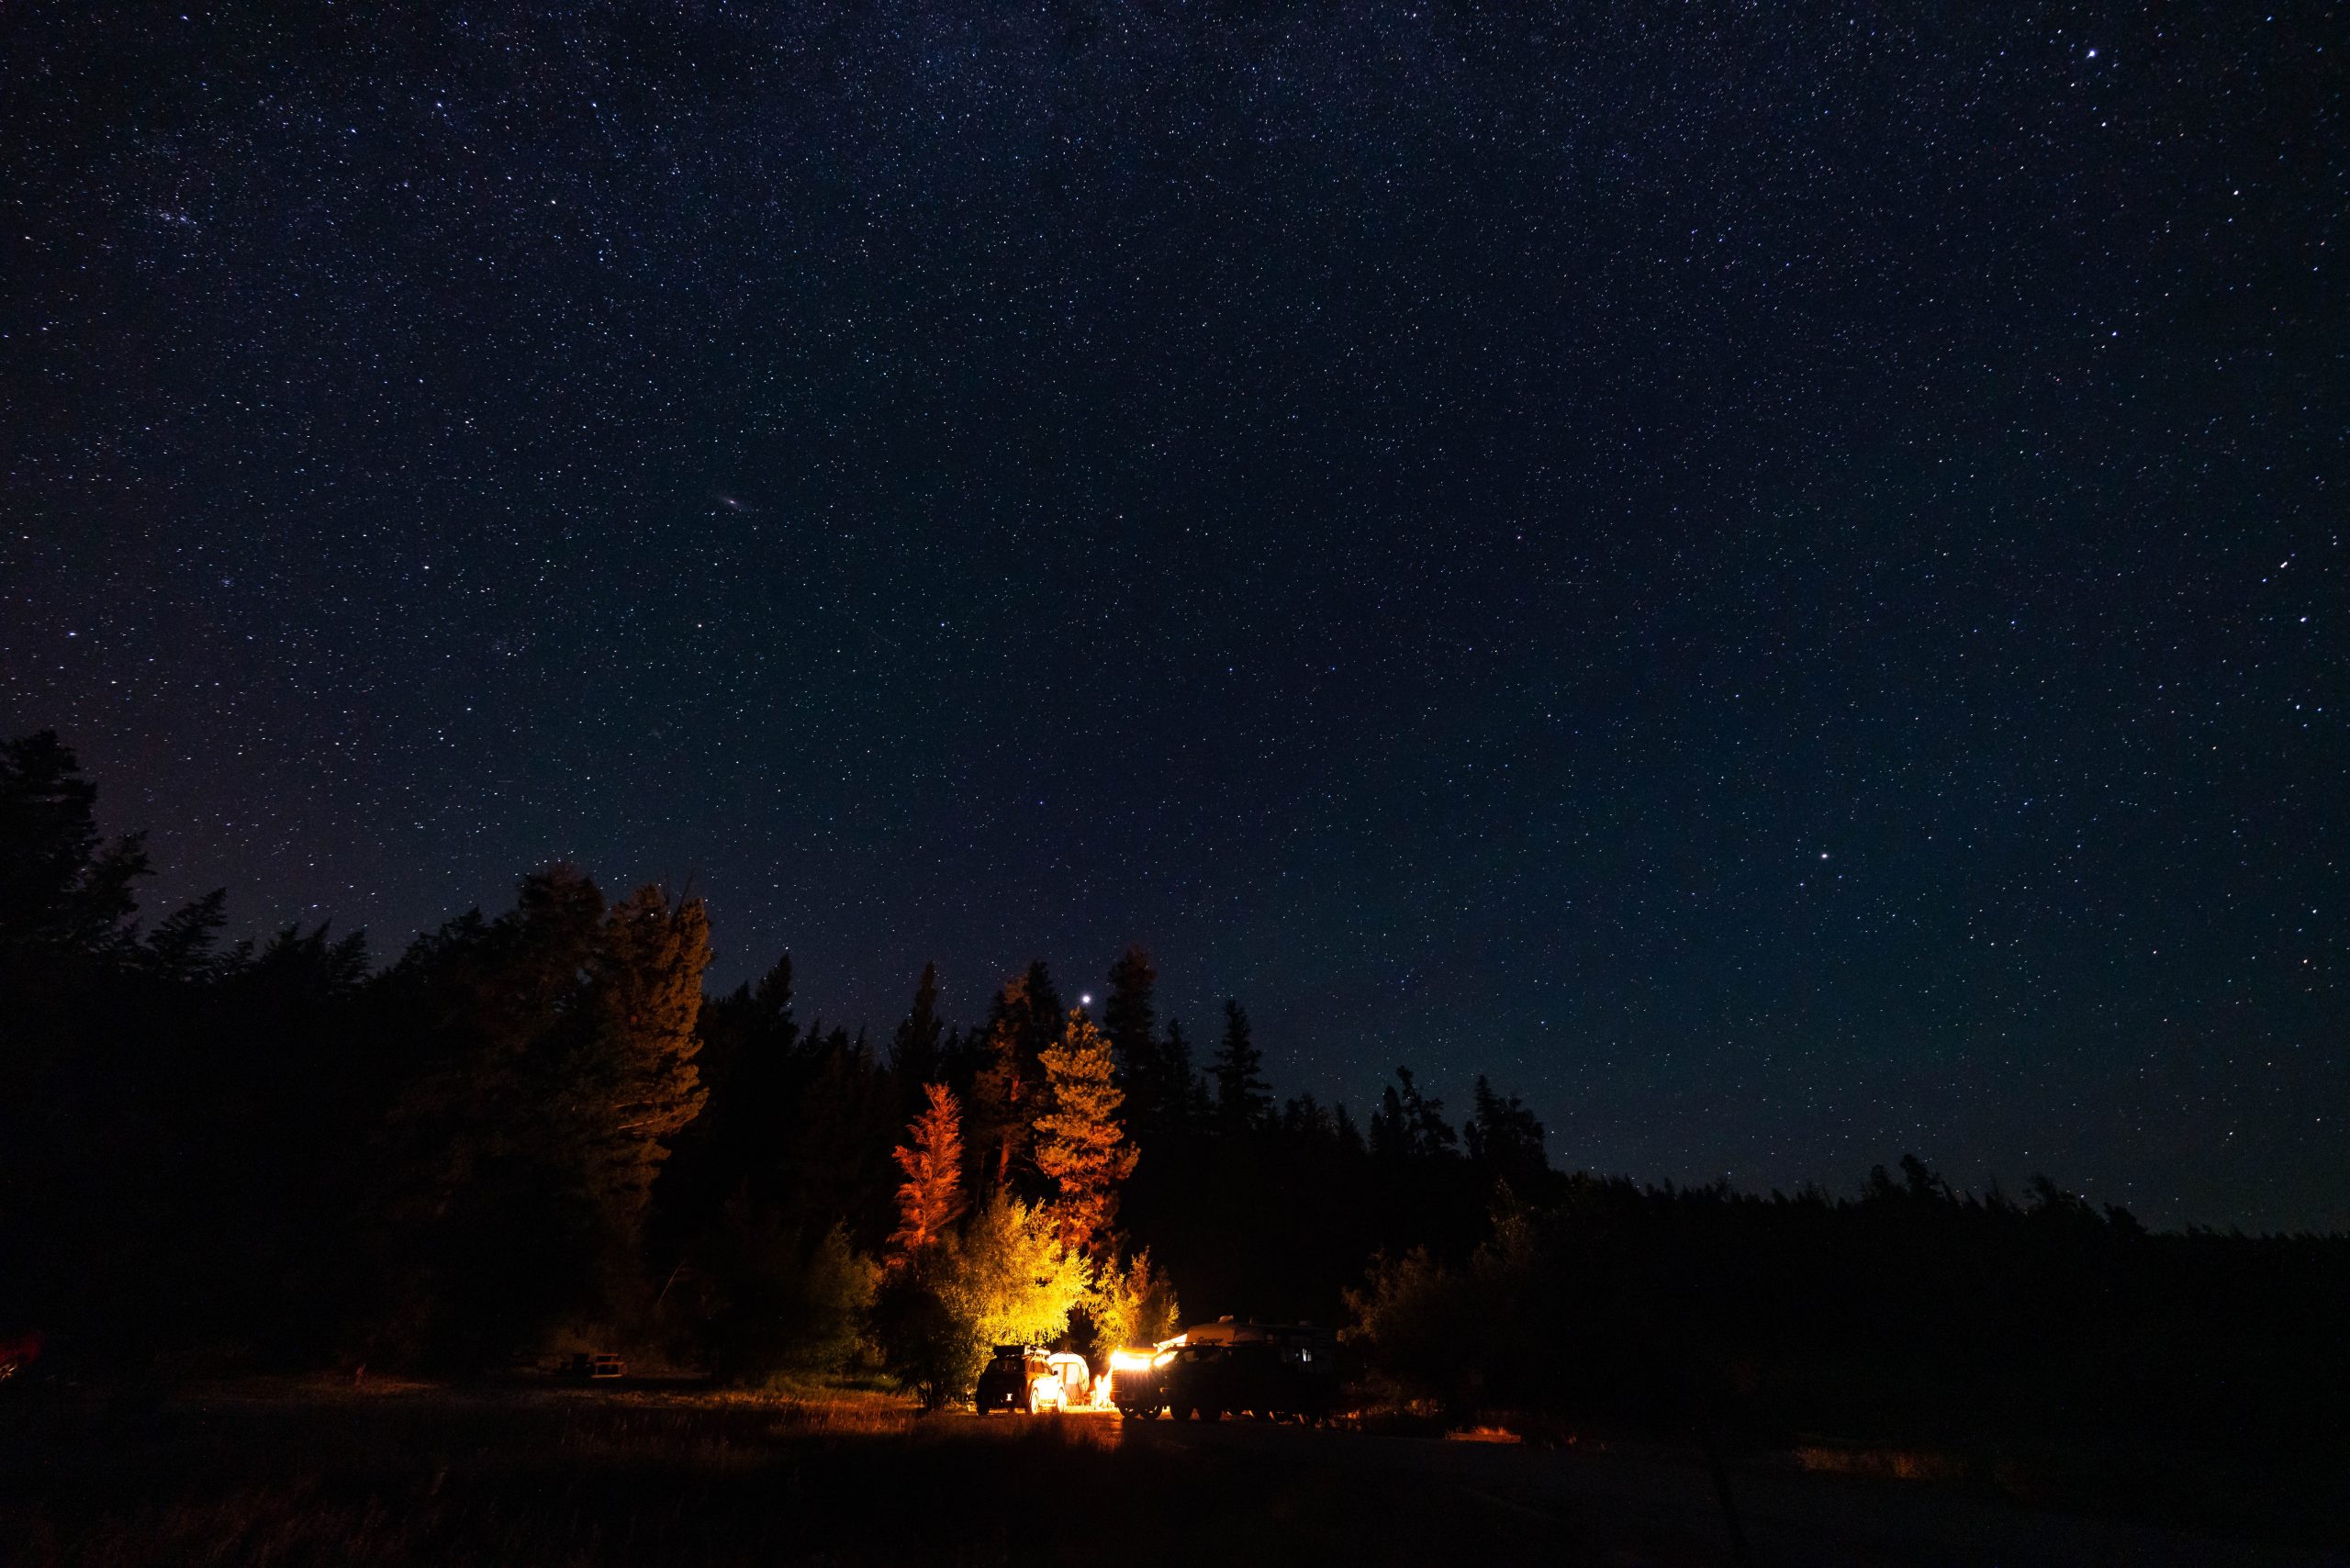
x=1770 y=577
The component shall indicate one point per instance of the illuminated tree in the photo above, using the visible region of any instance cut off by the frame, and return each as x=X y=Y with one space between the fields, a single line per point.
x=930 y=1200
x=1133 y=1304
x=1081 y=1147
x=1004 y=1280
x=1010 y=1281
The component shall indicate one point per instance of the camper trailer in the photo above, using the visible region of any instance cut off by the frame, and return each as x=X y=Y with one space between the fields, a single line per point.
x=1271 y=1371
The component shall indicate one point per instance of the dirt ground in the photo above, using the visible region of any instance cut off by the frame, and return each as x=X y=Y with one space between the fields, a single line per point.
x=305 y=1472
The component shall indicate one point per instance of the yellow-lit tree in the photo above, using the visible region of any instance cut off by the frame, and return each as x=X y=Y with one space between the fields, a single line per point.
x=1132 y=1304
x=1010 y=1281
x=930 y=1199
x=1081 y=1147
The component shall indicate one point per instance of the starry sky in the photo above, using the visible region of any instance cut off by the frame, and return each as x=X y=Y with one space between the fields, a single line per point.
x=1771 y=575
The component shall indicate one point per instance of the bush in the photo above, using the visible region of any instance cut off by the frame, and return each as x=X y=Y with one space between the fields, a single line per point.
x=780 y=1309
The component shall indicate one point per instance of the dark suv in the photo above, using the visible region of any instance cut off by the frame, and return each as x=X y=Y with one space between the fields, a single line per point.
x=1010 y=1379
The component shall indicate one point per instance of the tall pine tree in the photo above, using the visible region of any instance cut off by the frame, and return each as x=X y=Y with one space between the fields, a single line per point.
x=1129 y=1019
x=1006 y=1095
x=1243 y=1101
x=636 y=1085
x=1080 y=1149
x=914 y=1049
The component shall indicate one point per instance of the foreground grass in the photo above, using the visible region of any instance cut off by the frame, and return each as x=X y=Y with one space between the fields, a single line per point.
x=296 y=1474
x=410 y=1474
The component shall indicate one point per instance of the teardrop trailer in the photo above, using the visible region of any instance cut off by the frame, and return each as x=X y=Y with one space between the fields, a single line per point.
x=1271 y=1372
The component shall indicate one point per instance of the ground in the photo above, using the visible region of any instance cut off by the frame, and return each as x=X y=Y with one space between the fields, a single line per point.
x=316 y=1473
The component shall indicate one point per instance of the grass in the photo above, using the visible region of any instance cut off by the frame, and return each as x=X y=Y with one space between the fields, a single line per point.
x=293 y=1473
x=403 y=1474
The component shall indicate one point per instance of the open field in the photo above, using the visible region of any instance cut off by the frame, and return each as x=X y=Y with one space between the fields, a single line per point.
x=290 y=1474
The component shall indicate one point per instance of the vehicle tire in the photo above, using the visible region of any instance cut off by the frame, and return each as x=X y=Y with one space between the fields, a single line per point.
x=1182 y=1412
x=1212 y=1413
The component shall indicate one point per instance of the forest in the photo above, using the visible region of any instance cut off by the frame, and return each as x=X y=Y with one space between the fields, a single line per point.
x=531 y=1130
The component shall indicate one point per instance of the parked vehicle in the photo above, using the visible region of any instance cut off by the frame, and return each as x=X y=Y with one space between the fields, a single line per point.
x=1028 y=1381
x=590 y=1366
x=1137 y=1381
x=1270 y=1371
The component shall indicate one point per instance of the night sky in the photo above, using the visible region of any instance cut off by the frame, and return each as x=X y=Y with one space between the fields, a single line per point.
x=1771 y=575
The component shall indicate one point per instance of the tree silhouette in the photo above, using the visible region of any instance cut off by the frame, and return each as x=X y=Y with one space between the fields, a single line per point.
x=558 y=1045
x=1243 y=1101
x=63 y=887
x=1408 y=1124
x=637 y=1085
x=914 y=1049
x=1503 y=1135
x=1129 y=1019
x=1023 y=1022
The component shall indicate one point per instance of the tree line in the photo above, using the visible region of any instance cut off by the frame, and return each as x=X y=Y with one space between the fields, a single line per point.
x=533 y=1131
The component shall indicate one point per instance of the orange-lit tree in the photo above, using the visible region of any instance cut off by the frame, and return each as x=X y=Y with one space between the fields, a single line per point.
x=1081 y=1147
x=930 y=1200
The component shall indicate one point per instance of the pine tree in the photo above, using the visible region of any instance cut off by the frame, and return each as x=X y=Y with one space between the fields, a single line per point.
x=913 y=1051
x=62 y=886
x=1504 y=1136
x=1005 y=1097
x=1127 y=1017
x=1187 y=1092
x=1242 y=1100
x=500 y=1203
x=774 y=997
x=930 y=1200
x=1081 y=1147
x=638 y=1086
x=1409 y=1126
